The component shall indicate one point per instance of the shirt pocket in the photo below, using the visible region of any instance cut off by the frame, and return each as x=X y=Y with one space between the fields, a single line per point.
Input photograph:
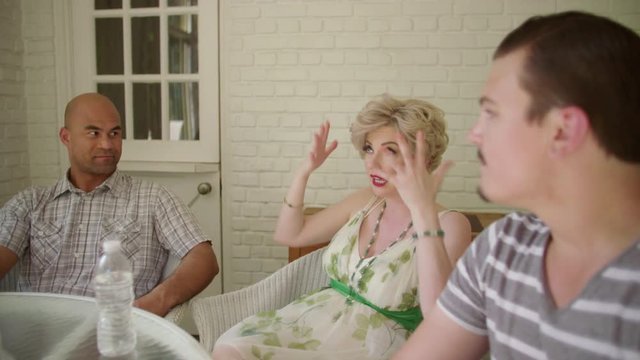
x=46 y=241
x=125 y=229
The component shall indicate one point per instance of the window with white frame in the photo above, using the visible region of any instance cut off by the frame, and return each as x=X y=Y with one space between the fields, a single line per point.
x=158 y=62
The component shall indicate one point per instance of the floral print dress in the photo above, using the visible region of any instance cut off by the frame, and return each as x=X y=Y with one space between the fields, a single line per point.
x=327 y=325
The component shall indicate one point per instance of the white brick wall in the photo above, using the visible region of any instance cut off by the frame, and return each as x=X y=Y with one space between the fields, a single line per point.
x=287 y=66
x=40 y=90
x=14 y=156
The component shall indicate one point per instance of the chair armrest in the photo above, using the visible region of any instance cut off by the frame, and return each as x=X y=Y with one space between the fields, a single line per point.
x=214 y=315
x=176 y=314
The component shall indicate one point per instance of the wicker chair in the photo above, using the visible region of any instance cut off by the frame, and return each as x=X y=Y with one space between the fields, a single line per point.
x=214 y=315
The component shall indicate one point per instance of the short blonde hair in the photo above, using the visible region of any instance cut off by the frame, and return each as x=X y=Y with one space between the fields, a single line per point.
x=408 y=117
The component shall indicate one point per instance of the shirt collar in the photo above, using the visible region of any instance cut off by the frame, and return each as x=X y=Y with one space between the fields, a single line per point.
x=113 y=185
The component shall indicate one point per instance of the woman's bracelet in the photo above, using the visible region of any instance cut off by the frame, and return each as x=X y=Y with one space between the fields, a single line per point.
x=439 y=233
x=284 y=201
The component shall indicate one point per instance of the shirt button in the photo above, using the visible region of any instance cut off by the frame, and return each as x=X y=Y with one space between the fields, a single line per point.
x=76 y=254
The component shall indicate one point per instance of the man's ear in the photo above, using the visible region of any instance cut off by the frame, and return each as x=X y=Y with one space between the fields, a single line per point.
x=572 y=126
x=64 y=135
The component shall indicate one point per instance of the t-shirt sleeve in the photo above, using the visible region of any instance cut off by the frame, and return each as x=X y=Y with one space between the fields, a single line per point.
x=463 y=298
x=176 y=226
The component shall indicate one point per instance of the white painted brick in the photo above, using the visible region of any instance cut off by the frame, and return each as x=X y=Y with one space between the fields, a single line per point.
x=310 y=58
x=401 y=24
x=447 y=90
x=475 y=57
x=241 y=251
x=355 y=25
x=271 y=180
x=333 y=25
x=471 y=90
x=401 y=90
x=404 y=41
x=308 y=105
x=476 y=23
x=423 y=73
x=452 y=40
x=331 y=74
x=380 y=58
x=306 y=89
x=263 y=89
x=287 y=58
x=449 y=57
x=272 y=265
x=239 y=27
x=328 y=89
x=357 y=41
x=246 y=179
x=246 y=59
x=333 y=9
x=333 y=58
x=246 y=265
x=244 y=12
x=450 y=23
x=625 y=6
x=355 y=57
x=376 y=73
x=293 y=150
x=374 y=89
x=265 y=26
x=285 y=89
x=529 y=7
x=269 y=150
x=285 y=10
x=423 y=89
x=478 y=7
x=378 y=25
x=310 y=25
x=490 y=41
x=260 y=252
x=287 y=74
x=288 y=26
x=425 y=23
x=431 y=7
x=352 y=89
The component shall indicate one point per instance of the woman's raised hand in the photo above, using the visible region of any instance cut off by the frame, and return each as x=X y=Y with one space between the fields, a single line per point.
x=414 y=183
x=319 y=149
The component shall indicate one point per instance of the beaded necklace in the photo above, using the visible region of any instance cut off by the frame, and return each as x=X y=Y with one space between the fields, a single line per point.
x=372 y=241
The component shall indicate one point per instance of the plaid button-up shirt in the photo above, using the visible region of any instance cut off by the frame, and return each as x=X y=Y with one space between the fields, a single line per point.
x=57 y=232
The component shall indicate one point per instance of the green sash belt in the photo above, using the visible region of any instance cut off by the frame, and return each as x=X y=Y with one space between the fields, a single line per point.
x=408 y=319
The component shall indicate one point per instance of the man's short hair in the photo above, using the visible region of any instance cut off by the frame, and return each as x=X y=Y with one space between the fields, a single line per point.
x=580 y=59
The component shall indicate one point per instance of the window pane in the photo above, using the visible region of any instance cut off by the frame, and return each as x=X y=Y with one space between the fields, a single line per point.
x=144 y=3
x=183 y=44
x=147 y=114
x=184 y=123
x=182 y=2
x=109 y=46
x=115 y=92
x=107 y=4
x=145 y=45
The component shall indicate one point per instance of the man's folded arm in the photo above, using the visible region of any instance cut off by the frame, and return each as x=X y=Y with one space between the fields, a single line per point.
x=195 y=271
x=7 y=260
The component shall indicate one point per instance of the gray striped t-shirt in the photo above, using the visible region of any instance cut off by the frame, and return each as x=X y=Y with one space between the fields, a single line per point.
x=498 y=289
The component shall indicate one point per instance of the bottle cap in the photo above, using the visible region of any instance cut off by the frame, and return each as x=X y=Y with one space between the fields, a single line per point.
x=111 y=245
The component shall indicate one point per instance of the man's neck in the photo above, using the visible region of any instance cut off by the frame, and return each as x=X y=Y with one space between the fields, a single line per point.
x=86 y=182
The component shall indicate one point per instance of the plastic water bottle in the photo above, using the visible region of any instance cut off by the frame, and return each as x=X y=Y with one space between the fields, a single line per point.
x=114 y=296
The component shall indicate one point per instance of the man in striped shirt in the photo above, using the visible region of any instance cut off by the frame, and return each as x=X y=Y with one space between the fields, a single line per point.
x=56 y=233
x=558 y=135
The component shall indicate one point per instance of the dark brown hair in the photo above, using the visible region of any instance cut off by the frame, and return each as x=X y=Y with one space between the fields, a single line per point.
x=584 y=60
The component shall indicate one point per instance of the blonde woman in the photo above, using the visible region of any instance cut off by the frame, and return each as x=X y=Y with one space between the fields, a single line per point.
x=392 y=246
